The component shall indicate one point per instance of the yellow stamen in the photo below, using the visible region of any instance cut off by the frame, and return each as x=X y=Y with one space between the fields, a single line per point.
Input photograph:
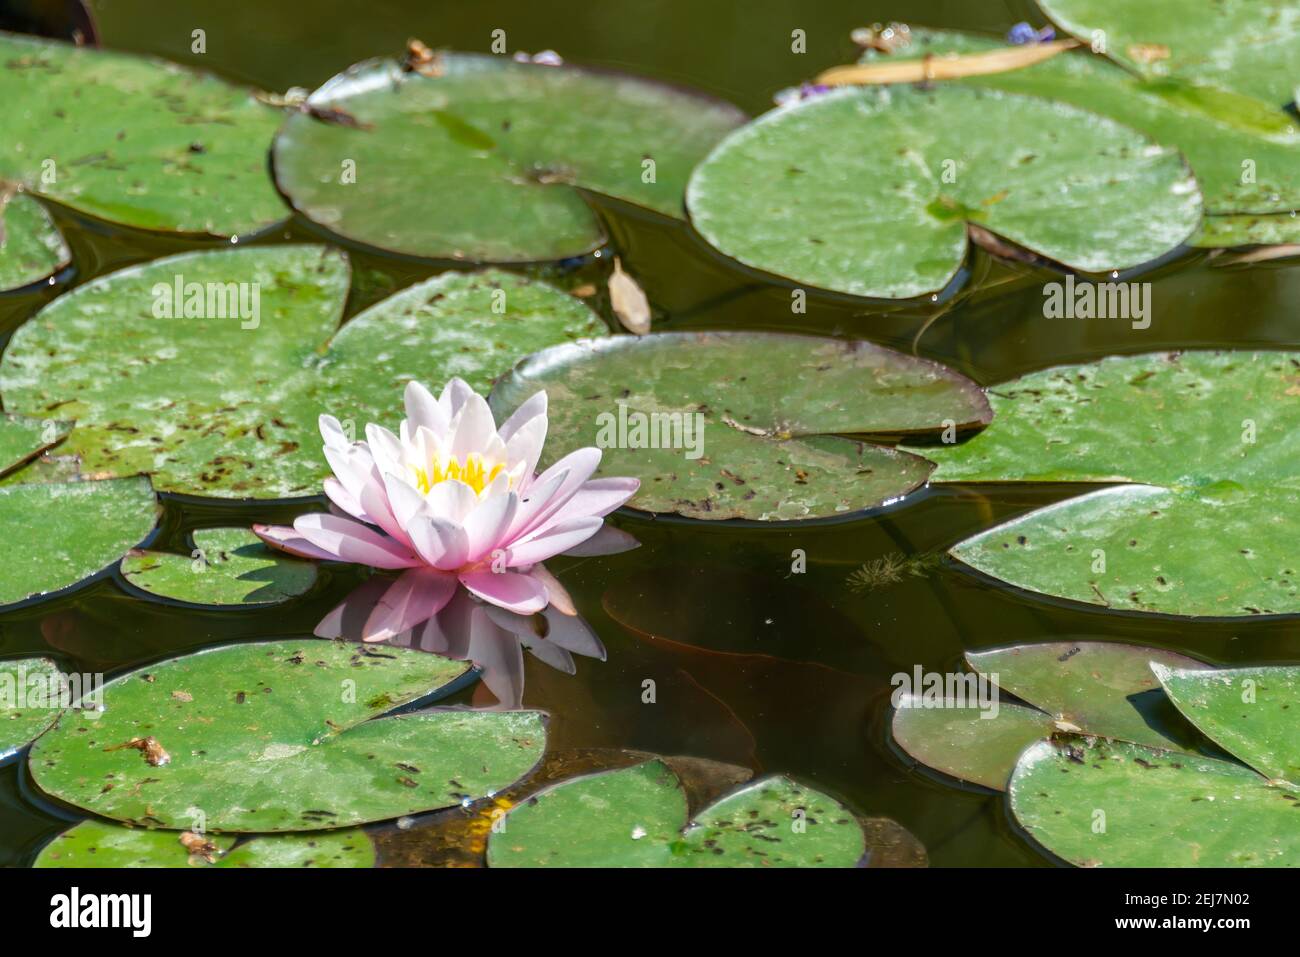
x=473 y=472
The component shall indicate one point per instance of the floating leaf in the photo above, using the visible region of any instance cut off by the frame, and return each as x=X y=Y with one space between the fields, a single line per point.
x=637 y=817
x=1155 y=808
x=1222 y=134
x=1206 y=531
x=31 y=246
x=134 y=140
x=1249 y=711
x=476 y=157
x=997 y=58
x=744 y=418
x=63 y=532
x=26 y=708
x=1090 y=687
x=1249 y=230
x=99 y=844
x=1248 y=46
x=226 y=403
x=281 y=736
x=229 y=566
x=22 y=439
x=869 y=191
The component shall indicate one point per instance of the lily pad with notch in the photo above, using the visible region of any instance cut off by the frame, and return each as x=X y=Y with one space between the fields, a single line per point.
x=26 y=706
x=282 y=736
x=478 y=157
x=228 y=566
x=1201 y=438
x=223 y=397
x=755 y=422
x=870 y=191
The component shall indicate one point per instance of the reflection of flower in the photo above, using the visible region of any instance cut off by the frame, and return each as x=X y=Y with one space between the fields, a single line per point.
x=452 y=498
x=471 y=630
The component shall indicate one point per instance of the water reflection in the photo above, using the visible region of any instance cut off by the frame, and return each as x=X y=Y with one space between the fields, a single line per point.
x=469 y=629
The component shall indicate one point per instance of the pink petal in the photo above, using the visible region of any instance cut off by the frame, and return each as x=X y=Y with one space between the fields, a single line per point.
x=453 y=398
x=534 y=499
x=608 y=541
x=287 y=539
x=552 y=540
x=579 y=465
x=486 y=525
x=533 y=406
x=556 y=594
x=598 y=497
x=526 y=446
x=513 y=591
x=413 y=599
x=350 y=541
x=344 y=499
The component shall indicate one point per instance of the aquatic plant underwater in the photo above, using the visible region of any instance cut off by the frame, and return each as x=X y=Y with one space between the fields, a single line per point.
x=459 y=238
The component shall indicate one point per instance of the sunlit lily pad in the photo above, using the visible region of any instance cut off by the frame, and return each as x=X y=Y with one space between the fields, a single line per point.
x=1090 y=687
x=134 y=140
x=60 y=533
x=228 y=566
x=1098 y=803
x=757 y=418
x=22 y=439
x=31 y=246
x=637 y=817
x=1248 y=46
x=1245 y=154
x=281 y=736
x=1205 y=438
x=476 y=157
x=27 y=707
x=869 y=191
x=1249 y=711
x=99 y=844
x=229 y=406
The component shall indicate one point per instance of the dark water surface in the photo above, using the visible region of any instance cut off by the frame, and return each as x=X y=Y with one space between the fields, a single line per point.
x=754 y=665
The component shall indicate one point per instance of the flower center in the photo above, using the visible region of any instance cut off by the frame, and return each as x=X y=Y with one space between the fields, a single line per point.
x=473 y=471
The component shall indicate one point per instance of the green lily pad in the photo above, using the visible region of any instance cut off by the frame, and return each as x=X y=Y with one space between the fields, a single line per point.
x=764 y=444
x=1249 y=711
x=480 y=161
x=1113 y=804
x=23 y=439
x=959 y=741
x=637 y=817
x=1279 y=229
x=1099 y=688
x=1245 y=154
x=229 y=566
x=99 y=844
x=869 y=191
x=31 y=246
x=1203 y=437
x=135 y=140
x=229 y=406
x=1247 y=46
x=25 y=706
x=63 y=532
x=281 y=736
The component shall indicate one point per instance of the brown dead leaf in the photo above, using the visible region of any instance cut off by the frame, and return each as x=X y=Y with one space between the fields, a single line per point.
x=951 y=67
x=629 y=301
x=150 y=747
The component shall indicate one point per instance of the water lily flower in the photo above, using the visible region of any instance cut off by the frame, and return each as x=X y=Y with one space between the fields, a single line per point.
x=451 y=499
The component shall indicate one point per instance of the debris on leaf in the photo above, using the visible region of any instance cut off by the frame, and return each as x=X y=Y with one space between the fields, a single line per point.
x=150 y=747
x=931 y=67
x=199 y=846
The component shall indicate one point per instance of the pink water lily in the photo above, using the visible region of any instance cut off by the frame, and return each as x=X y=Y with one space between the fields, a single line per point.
x=453 y=499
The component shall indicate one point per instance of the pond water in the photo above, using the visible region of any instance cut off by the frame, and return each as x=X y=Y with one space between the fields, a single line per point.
x=754 y=664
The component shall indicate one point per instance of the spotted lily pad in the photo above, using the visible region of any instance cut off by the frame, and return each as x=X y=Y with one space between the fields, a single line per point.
x=1096 y=803
x=1090 y=687
x=99 y=844
x=22 y=439
x=1249 y=711
x=135 y=140
x=1205 y=440
x=869 y=191
x=1248 y=46
x=31 y=246
x=1245 y=154
x=226 y=402
x=228 y=566
x=60 y=533
x=281 y=736
x=476 y=157
x=27 y=706
x=637 y=817
x=1247 y=229
x=746 y=424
